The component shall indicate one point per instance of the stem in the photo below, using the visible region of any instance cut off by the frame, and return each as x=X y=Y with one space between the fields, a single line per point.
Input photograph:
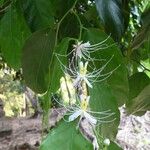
x=59 y=23
x=81 y=26
x=48 y=94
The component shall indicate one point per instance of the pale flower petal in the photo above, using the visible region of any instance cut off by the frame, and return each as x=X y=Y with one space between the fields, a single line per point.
x=75 y=115
x=90 y=118
x=87 y=82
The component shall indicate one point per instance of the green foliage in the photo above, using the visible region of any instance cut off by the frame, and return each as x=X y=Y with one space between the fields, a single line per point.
x=102 y=99
x=138 y=102
x=114 y=146
x=112 y=16
x=38 y=13
x=13 y=33
x=67 y=137
x=144 y=32
x=37 y=56
x=107 y=93
x=11 y=93
x=118 y=77
x=32 y=33
x=1 y=2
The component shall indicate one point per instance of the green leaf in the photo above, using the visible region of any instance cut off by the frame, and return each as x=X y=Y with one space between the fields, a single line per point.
x=37 y=54
x=137 y=83
x=56 y=71
x=1 y=2
x=144 y=32
x=41 y=68
x=141 y=103
x=69 y=27
x=13 y=33
x=114 y=146
x=61 y=7
x=118 y=81
x=108 y=94
x=65 y=137
x=111 y=14
x=139 y=96
x=102 y=99
x=38 y=13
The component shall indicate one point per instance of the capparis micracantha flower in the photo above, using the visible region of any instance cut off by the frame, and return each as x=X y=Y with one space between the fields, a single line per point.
x=80 y=73
x=73 y=91
x=83 y=50
x=88 y=120
x=81 y=109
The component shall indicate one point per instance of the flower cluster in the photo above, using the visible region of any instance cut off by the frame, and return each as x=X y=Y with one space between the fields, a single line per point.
x=74 y=90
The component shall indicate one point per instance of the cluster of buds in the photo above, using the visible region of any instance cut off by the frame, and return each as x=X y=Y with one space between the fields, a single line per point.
x=74 y=90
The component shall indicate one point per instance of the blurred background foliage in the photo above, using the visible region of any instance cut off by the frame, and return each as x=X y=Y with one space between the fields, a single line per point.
x=11 y=91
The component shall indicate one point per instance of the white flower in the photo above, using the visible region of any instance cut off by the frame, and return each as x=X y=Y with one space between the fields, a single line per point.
x=82 y=112
x=82 y=75
x=90 y=77
x=83 y=50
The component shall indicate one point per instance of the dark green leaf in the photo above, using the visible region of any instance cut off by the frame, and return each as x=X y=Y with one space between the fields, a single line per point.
x=56 y=71
x=13 y=33
x=61 y=7
x=106 y=94
x=143 y=33
x=137 y=83
x=37 y=54
x=111 y=14
x=91 y=19
x=1 y=2
x=65 y=137
x=141 y=103
x=118 y=81
x=139 y=96
x=102 y=99
x=38 y=13
x=69 y=27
